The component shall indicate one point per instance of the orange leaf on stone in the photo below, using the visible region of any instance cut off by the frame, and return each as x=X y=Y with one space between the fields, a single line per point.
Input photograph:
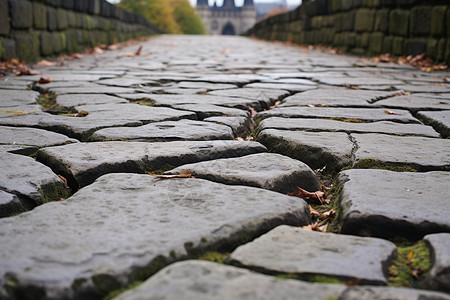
x=182 y=175
x=46 y=63
x=314 y=196
x=390 y=112
x=44 y=80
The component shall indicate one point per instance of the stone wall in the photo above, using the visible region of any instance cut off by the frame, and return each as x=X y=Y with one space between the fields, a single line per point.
x=30 y=29
x=400 y=27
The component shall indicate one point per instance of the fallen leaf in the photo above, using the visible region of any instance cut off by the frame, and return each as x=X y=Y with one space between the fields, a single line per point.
x=353 y=282
x=301 y=193
x=353 y=87
x=401 y=93
x=252 y=111
x=324 y=188
x=314 y=227
x=44 y=80
x=328 y=214
x=46 y=63
x=114 y=47
x=275 y=105
x=64 y=180
x=183 y=175
x=225 y=51
x=81 y=114
x=390 y=112
x=138 y=52
x=320 y=170
x=239 y=139
x=313 y=213
x=446 y=79
x=96 y=50
x=249 y=138
x=417 y=272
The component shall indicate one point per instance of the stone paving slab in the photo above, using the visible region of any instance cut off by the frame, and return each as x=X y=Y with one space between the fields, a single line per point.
x=70 y=252
x=390 y=293
x=207 y=280
x=266 y=96
x=429 y=88
x=440 y=120
x=282 y=86
x=134 y=112
x=30 y=180
x=239 y=125
x=425 y=154
x=82 y=163
x=358 y=114
x=82 y=99
x=9 y=98
x=292 y=250
x=317 y=125
x=32 y=137
x=388 y=204
x=336 y=97
x=208 y=110
x=438 y=278
x=356 y=81
x=205 y=85
x=126 y=82
x=10 y=204
x=269 y=171
x=239 y=79
x=166 y=131
x=415 y=104
x=91 y=89
x=316 y=149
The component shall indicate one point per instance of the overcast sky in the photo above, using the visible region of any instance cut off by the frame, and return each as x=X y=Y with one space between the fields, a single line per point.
x=238 y=2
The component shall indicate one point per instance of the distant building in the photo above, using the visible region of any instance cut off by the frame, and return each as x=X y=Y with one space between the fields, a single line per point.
x=226 y=19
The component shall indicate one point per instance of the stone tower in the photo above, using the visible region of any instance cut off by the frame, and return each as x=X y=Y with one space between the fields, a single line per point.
x=226 y=19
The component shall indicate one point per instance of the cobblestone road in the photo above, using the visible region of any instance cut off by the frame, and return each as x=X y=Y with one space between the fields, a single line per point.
x=243 y=123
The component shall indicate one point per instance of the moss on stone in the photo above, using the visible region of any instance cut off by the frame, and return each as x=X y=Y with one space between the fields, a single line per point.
x=411 y=265
x=311 y=278
x=369 y=163
x=164 y=168
x=116 y=293
x=54 y=191
x=105 y=283
x=216 y=257
x=143 y=101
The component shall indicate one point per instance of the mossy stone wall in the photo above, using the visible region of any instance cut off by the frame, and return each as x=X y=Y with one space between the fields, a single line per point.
x=367 y=27
x=32 y=29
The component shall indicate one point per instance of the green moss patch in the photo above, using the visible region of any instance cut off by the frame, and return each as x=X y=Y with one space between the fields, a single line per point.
x=311 y=278
x=411 y=266
x=160 y=171
x=216 y=257
x=369 y=163
x=144 y=101
x=116 y=293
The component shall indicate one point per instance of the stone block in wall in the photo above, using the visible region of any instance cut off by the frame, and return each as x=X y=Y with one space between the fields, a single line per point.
x=415 y=46
x=350 y=39
x=80 y=20
x=39 y=16
x=94 y=7
x=72 y=41
x=55 y=3
x=27 y=46
x=432 y=48
x=68 y=4
x=387 y=44
x=52 y=19
x=388 y=3
x=21 y=14
x=372 y=3
x=407 y=3
x=346 y=5
x=440 y=56
x=382 y=20
x=365 y=38
x=447 y=51
x=58 y=42
x=87 y=22
x=72 y=19
x=46 y=43
x=81 y=5
x=8 y=47
x=364 y=19
x=106 y=9
x=348 y=20
x=316 y=22
x=420 y=21
x=339 y=22
x=399 y=22
x=447 y=22
x=334 y=6
x=438 y=20
x=376 y=42
x=4 y=17
x=397 y=46
x=63 y=20
x=321 y=7
x=357 y=3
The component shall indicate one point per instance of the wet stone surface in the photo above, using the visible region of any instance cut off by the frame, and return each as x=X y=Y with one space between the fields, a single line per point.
x=83 y=213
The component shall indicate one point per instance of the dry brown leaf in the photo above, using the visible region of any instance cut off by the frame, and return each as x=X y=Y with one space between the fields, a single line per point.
x=324 y=188
x=114 y=47
x=446 y=79
x=138 y=52
x=183 y=175
x=329 y=214
x=46 y=63
x=249 y=139
x=225 y=51
x=96 y=50
x=353 y=282
x=390 y=112
x=275 y=105
x=401 y=93
x=44 y=80
x=416 y=273
x=81 y=114
x=239 y=139
x=64 y=180
x=313 y=213
x=252 y=111
x=316 y=196
x=314 y=227
x=353 y=87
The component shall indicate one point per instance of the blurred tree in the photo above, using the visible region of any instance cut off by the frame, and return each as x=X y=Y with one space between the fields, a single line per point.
x=172 y=16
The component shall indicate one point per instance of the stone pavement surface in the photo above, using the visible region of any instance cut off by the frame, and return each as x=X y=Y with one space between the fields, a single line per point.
x=235 y=125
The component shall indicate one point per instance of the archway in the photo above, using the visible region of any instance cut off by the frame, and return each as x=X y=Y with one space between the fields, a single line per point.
x=228 y=29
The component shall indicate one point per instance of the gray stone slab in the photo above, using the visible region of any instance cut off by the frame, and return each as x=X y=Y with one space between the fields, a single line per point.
x=79 y=128
x=391 y=293
x=99 y=89
x=66 y=76
x=356 y=81
x=126 y=82
x=292 y=250
x=64 y=84
x=415 y=104
x=316 y=149
x=317 y=125
x=10 y=204
x=239 y=125
x=72 y=100
x=75 y=249
x=421 y=153
x=23 y=176
x=266 y=96
x=205 y=85
x=178 y=91
x=388 y=204
x=439 y=276
x=206 y=280
x=336 y=97
x=134 y=112
x=291 y=81
x=269 y=171
x=167 y=131
x=238 y=79
x=209 y=110
x=363 y=114
x=9 y=98
x=440 y=120
x=32 y=137
x=282 y=86
x=429 y=88
x=82 y=163
x=7 y=112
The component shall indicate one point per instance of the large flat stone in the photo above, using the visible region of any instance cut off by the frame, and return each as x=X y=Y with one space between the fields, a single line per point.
x=30 y=180
x=316 y=149
x=167 y=131
x=205 y=85
x=82 y=99
x=206 y=280
x=208 y=110
x=439 y=276
x=82 y=163
x=336 y=97
x=134 y=112
x=10 y=205
x=32 y=137
x=357 y=81
x=315 y=125
x=10 y=98
x=238 y=79
x=126 y=82
x=265 y=96
x=385 y=203
x=415 y=104
x=291 y=87
x=383 y=293
x=98 y=89
x=125 y=227
x=440 y=120
x=291 y=250
x=239 y=125
x=422 y=153
x=362 y=114
x=269 y=171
